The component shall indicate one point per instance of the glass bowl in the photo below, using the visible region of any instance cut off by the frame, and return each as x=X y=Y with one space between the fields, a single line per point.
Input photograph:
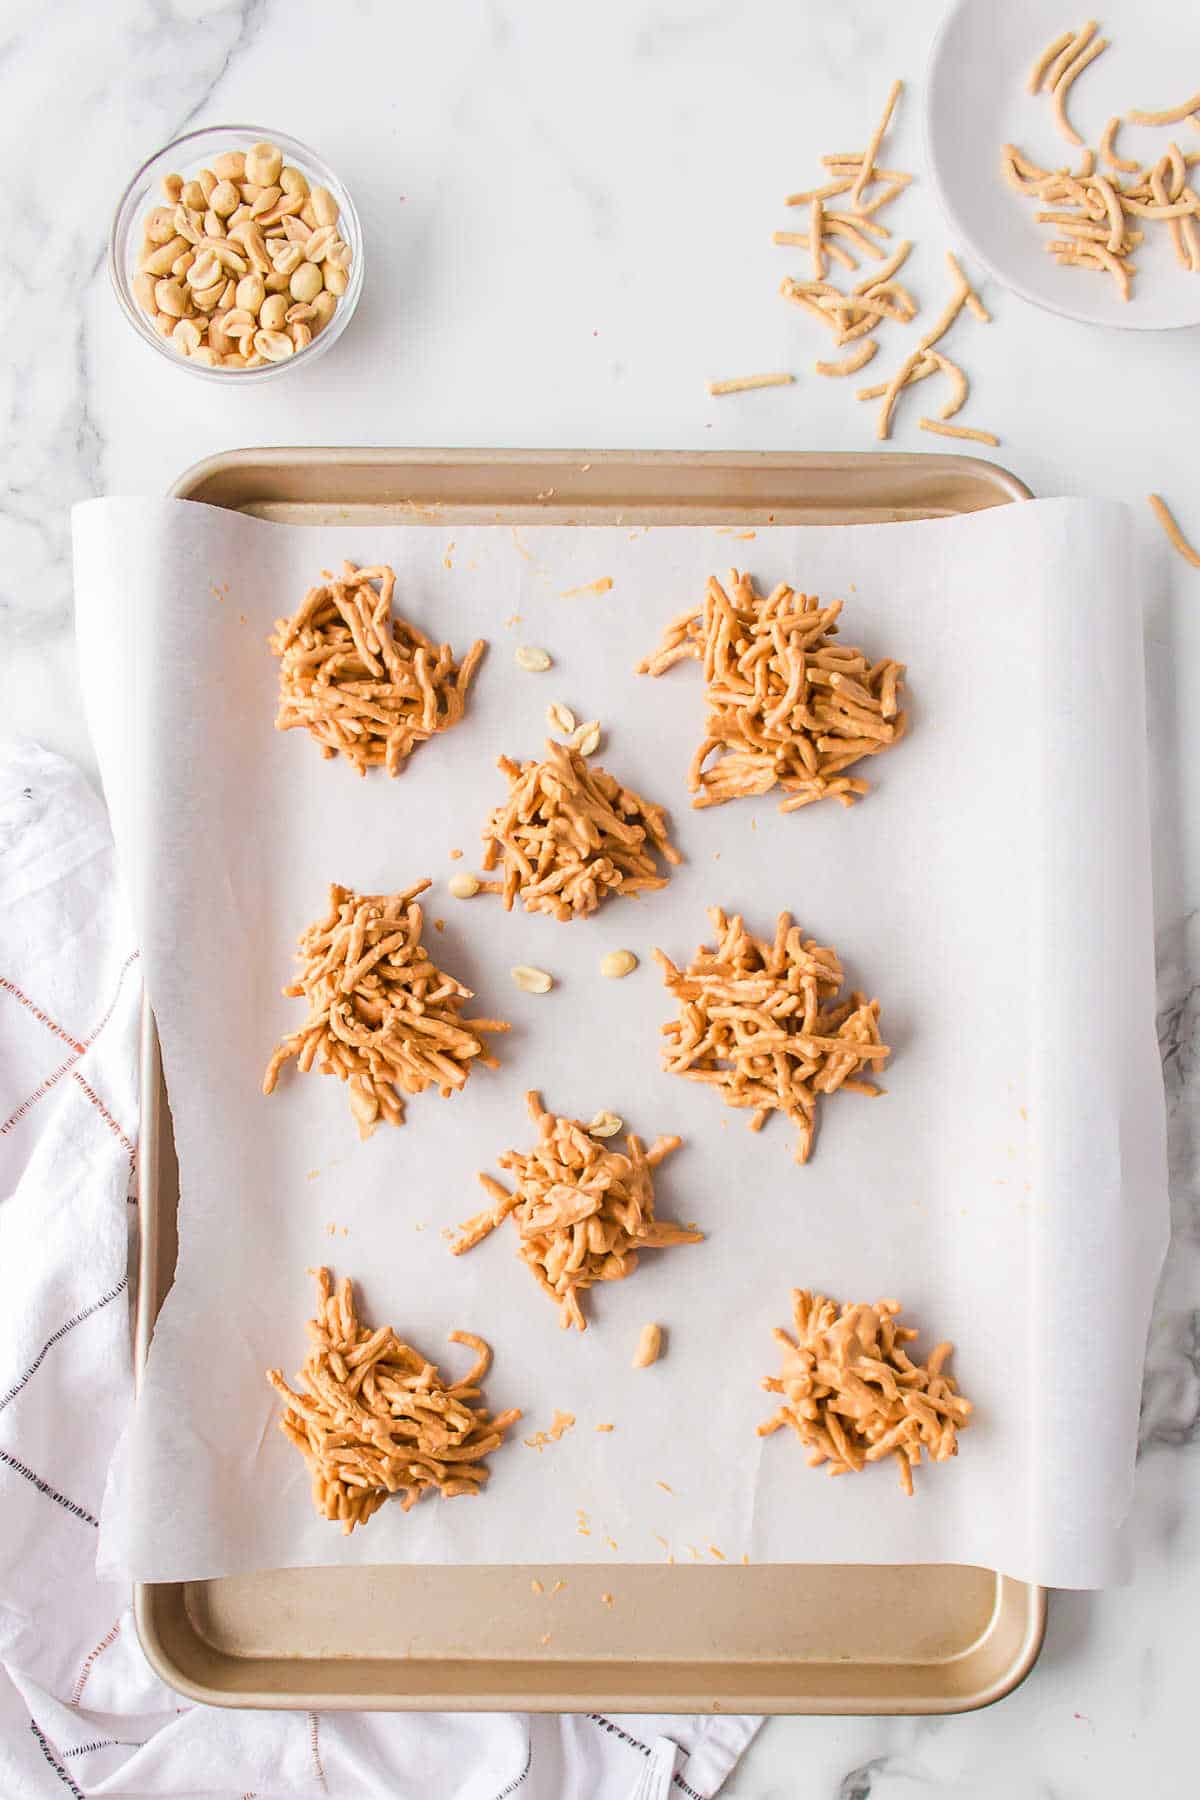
x=186 y=156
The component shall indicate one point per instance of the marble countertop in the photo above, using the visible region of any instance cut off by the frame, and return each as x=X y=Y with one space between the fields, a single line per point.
x=568 y=214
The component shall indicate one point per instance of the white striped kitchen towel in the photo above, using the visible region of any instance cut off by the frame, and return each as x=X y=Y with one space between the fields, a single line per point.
x=80 y=1709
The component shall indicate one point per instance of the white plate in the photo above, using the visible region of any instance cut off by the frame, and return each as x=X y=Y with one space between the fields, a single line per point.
x=976 y=100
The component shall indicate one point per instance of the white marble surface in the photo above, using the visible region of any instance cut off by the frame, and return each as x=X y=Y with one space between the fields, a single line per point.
x=569 y=213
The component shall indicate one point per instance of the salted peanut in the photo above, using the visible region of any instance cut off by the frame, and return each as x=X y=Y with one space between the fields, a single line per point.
x=250 y=235
x=287 y=258
x=761 y=1024
x=160 y=261
x=206 y=300
x=194 y=196
x=306 y=282
x=583 y=1213
x=272 y=314
x=301 y=334
x=335 y=277
x=531 y=981
x=587 y=738
x=224 y=199
x=214 y=226
x=300 y=314
x=159 y=224
x=320 y=243
x=183 y=263
x=219 y=340
x=463 y=886
x=230 y=166
x=205 y=270
x=188 y=225
x=531 y=658
x=164 y=324
x=366 y=684
x=375 y=1417
x=208 y=182
x=264 y=164
x=275 y=283
x=143 y=291
x=274 y=346
x=293 y=182
x=205 y=354
x=606 y=1125
x=264 y=204
x=295 y=230
x=324 y=307
x=172 y=187
x=187 y=336
x=617 y=964
x=648 y=1346
x=381 y=1015
x=560 y=717
x=324 y=206
x=170 y=298
x=240 y=319
x=853 y=1394
x=228 y=257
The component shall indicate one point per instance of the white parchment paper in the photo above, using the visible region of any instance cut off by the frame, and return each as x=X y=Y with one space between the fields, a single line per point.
x=993 y=891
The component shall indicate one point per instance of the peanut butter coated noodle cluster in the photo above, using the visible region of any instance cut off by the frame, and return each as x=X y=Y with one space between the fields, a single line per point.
x=376 y=1418
x=365 y=685
x=788 y=706
x=381 y=1014
x=853 y=1395
x=760 y=1021
x=569 y=835
x=583 y=1212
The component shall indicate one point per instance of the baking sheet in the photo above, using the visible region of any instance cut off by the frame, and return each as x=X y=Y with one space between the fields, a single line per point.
x=1000 y=863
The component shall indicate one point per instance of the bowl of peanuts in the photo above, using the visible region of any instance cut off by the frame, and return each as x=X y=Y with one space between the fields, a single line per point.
x=237 y=253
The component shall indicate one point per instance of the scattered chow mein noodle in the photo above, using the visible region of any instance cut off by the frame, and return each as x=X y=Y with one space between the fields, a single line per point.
x=1167 y=520
x=583 y=1212
x=366 y=685
x=853 y=1395
x=1098 y=219
x=381 y=1014
x=569 y=835
x=789 y=706
x=744 y=384
x=374 y=1417
x=925 y=361
x=760 y=1021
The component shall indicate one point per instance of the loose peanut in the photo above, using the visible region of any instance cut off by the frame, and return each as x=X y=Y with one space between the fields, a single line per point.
x=648 y=1346
x=335 y=278
x=159 y=224
x=274 y=346
x=230 y=166
x=307 y=281
x=263 y=164
x=273 y=312
x=170 y=298
x=194 y=196
x=224 y=199
x=324 y=206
